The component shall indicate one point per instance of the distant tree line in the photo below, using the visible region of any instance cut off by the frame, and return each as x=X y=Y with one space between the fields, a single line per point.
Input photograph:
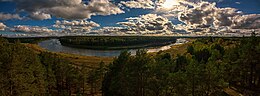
x=33 y=40
x=103 y=42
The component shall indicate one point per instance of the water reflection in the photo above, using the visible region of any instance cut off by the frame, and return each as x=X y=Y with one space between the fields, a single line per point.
x=55 y=46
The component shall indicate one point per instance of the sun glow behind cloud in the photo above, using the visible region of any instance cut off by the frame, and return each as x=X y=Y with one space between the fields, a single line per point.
x=170 y=4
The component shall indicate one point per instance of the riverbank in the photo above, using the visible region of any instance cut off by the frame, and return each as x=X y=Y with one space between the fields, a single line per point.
x=93 y=61
x=78 y=60
x=54 y=45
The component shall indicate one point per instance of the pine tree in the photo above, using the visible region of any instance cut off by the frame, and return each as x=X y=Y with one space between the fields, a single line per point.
x=21 y=71
x=115 y=79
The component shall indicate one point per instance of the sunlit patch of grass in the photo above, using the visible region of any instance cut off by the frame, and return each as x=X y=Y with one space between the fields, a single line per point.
x=177 y=49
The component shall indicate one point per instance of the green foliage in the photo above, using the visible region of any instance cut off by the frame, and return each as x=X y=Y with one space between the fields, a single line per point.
x=114 y=80
x=3 y=40
x=243 y=63
x=25 y=73
x=209 y=66
x=21 y=71
x=95 y=78
x=61 y=77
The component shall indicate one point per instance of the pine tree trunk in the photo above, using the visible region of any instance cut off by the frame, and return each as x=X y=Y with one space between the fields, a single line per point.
x=83 y=90
x=251 y=76
x=193 y=85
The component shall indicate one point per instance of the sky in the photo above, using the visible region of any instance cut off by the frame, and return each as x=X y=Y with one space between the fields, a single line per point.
x=130 y=17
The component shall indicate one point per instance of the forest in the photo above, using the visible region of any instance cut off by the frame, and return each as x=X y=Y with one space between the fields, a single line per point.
x=25 y=72
x=208 y=67
x=116 y=42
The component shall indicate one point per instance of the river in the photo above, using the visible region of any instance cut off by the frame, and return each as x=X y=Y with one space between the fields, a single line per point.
x=54 y=45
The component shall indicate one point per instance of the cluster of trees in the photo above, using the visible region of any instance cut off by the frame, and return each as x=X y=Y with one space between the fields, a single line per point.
x=27 y=73
x=115 y=41
x=208 y=66
x=21 y=71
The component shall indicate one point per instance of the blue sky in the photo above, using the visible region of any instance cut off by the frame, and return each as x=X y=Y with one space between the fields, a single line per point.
x=247 y=6
x=105 y=19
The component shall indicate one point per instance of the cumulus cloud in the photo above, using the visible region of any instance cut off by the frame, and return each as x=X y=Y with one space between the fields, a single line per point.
x=171 y=8
x=9 y=16
x=144 y=4
x=76 y=25
x=160 y=5
x=148 y=24
x=251 y=21
x=103 y=7
x=74 y=12
x=40 y=16
x=67 y=9
x=205 y=14
x=2 y=26
x=31 y=29
x=111 y=31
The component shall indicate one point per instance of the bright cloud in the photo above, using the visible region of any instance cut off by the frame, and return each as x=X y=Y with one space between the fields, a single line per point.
x=144 y=4
x=168 y=4
x=76 y=25
x=2 y=26
x=103 y=7
x=111 y=31
x=205 y=14
x=31 y=29
x=9 y=16
x=149 y=24
x=40 y=16
x=251 y=21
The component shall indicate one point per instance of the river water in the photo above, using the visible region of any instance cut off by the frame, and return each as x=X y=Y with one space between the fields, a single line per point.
x=54 y=45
